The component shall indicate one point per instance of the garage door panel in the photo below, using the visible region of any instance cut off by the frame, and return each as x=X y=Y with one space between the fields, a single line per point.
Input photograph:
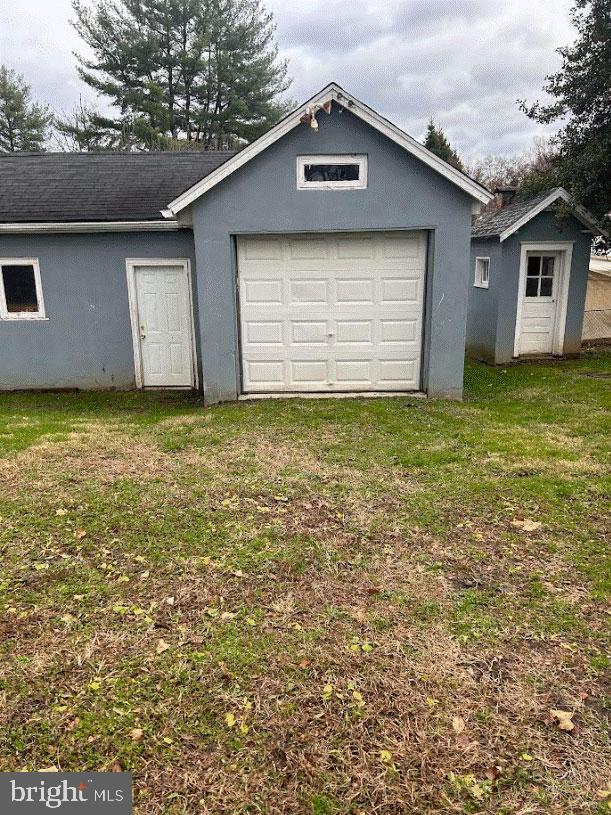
x=262 y=292
x=309 y=332
x=349 y=332
x=393 y=331
x=331 y=312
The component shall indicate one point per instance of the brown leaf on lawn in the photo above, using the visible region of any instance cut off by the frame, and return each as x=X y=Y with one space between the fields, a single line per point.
x=80 y=534
x=458 y=724
x=162 y=646
x=115 y=767
x=49 y=770
x=492 y=773
x=527 y=525
x=563 y=718
x=136 y=734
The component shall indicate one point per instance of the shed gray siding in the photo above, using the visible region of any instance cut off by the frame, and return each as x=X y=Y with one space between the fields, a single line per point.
x=402 y=193
x=492 y=321
x=86 y=341
x=483 y=303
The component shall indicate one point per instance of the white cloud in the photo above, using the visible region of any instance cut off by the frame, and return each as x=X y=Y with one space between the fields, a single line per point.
x=464 y=62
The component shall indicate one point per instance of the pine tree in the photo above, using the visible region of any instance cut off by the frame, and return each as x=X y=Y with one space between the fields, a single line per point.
x=437 y=142
x=582 y=100
x=24 y=124
x=206 y=71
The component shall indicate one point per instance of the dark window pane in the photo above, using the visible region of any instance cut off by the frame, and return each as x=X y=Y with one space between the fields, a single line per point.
x=548 y=267
x=19 y=289
x=534 y=262
x=332 y=172
x=546 y=286
x=531 y=286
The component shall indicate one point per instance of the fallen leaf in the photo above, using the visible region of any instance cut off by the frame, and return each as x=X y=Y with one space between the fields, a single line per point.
x=48 y=770
x=136 y=734
x=458 y=724
x=115 y=767
x=563 y=719
x=492 y=773
x=169 y=601
x=162 y=646
x=229 y=719
x=59 y=511
x=80 y=534
x=385 y=756
x=527 y=525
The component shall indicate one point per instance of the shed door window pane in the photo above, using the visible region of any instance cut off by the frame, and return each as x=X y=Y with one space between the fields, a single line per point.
x=332 y=172
x=20 y=289
x=540 y=276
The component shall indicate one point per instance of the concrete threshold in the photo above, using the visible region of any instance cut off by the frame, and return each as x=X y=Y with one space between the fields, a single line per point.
x=247 y=397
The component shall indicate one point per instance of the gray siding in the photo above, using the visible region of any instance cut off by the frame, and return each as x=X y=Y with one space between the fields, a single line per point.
x=483 y=303
x=492 y=321
x=402 y=194
x=87 y=340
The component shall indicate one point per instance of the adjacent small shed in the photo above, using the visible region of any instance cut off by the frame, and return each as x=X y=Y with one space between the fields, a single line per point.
x=529 y=268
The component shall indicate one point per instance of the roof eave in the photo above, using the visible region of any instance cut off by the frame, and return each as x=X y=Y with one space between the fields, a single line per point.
x=48 y=227
x=586 y=218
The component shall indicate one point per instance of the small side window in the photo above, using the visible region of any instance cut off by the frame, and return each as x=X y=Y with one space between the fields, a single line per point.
x=482 y=272
x=20 y=290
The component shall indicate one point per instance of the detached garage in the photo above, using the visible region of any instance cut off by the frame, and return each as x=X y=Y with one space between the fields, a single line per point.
x=329 y=256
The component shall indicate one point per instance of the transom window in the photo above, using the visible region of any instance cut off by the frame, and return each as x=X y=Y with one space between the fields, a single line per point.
x=482 y=272
x=540 y=275
x=20 y=290
x=331 y=172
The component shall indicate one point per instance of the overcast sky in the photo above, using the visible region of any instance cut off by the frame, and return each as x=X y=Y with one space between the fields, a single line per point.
x=464 y=62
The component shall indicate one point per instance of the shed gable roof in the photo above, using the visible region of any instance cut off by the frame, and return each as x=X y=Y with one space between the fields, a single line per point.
x=331 y=93
x=508 y=220
x=97 y=187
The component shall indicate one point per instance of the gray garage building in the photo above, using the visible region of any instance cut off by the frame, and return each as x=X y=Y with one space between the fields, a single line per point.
x=331 y=255
x=529 y=274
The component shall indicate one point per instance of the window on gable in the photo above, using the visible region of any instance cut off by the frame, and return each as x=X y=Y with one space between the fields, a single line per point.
x=20 y=290
x=331 y=172
x=482 y=272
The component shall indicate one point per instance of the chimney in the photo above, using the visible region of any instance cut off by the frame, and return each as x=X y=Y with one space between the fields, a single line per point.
x=503 y=196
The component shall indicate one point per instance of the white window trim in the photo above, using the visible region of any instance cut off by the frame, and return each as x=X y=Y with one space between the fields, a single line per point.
x=565 y=248
x=478 y=281
x=360 y=184
x=5 y=314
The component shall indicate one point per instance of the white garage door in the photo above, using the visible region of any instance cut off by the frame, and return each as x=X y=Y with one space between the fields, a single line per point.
x=340 y=312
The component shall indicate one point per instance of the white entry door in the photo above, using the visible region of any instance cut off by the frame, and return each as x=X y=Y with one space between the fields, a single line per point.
x=540 y=302
x=331 y=313
x=163 y=327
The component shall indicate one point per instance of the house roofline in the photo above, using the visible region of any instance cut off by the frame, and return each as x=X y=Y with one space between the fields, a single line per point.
x=586 y=218
x=332 y=92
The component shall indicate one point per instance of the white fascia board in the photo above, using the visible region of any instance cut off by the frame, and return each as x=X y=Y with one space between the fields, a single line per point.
x=88 y=226
x=332 y=92
x=560 y=193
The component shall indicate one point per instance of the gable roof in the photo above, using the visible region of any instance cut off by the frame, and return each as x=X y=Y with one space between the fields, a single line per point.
x=508 y=220
x=97 y=187
x=331 y=92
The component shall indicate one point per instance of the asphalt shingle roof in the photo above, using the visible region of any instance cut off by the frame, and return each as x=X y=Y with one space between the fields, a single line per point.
x=64 y=187
x=491 y=224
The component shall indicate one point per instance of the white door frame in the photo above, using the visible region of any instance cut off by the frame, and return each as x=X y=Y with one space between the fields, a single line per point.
x=131 y=264
x=562 y=298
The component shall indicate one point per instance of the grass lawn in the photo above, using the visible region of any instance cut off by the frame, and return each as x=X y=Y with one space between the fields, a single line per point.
x=319 y=607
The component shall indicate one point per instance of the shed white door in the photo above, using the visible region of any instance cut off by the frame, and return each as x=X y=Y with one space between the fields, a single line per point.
x=338 y=312
x=540 y=297
x=164 y=325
